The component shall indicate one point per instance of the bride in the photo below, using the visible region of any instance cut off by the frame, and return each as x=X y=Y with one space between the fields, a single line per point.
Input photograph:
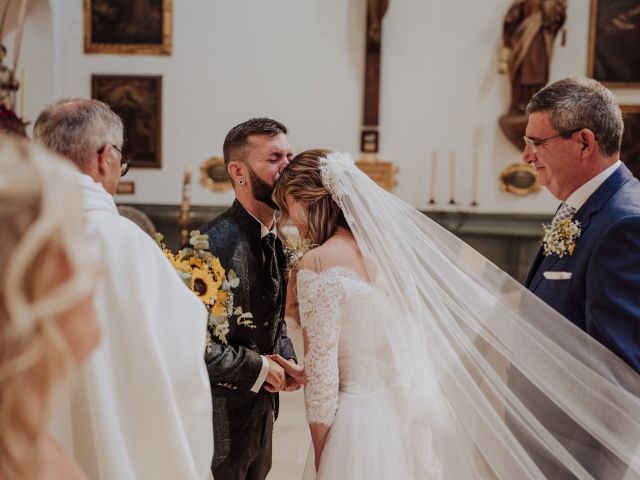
x=425 y=361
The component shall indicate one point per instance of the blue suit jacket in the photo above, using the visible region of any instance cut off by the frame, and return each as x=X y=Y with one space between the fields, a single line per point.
x=602 y=297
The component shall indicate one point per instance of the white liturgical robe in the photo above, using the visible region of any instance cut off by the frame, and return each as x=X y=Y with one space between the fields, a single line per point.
x=141 y=404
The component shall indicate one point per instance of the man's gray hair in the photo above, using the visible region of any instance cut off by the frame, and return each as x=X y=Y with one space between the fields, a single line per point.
x=77 y=128
x=579 y=102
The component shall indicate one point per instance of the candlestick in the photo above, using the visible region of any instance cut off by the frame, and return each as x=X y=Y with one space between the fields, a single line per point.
x=434 y=159
x=452 y=183
x=185 y=216
x=474 y=181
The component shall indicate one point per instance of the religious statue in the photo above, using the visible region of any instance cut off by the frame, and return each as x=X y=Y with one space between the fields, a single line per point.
x=8 y=83
x=529 y=30
x=9 y=120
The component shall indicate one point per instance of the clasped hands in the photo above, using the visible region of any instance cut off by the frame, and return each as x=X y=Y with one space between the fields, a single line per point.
x=284 y=375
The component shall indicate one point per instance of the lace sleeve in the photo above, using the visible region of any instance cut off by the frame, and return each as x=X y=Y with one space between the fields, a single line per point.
x=319 y=296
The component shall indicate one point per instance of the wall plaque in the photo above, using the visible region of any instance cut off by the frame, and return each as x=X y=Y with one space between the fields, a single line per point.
x=381 y=172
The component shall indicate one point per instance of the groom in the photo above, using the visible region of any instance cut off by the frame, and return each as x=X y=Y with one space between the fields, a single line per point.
x=244 y=377
x=573 y=140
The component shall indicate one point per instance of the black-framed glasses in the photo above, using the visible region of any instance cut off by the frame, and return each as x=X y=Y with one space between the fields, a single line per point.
x=124 y=161
x=534 y=143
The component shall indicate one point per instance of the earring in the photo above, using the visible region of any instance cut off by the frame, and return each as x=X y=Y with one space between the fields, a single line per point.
x=241 y=182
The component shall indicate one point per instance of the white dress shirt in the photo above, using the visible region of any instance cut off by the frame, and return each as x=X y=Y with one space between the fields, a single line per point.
x=582 y=194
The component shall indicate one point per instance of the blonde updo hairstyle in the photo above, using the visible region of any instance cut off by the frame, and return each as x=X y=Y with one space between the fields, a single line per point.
x=302 y=181
x=40 y=224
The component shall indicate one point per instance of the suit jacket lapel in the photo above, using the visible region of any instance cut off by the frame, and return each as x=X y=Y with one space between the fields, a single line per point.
x=250 y=228
x=592 y=206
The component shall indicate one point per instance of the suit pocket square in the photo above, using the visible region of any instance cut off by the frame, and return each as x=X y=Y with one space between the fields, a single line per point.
x=557 y=275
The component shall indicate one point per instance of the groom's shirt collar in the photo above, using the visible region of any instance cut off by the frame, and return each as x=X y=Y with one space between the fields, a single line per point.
x=582 y=194
x=264 y=230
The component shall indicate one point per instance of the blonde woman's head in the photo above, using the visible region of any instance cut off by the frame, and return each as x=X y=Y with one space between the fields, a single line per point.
x=47 y=280
x=302 y=198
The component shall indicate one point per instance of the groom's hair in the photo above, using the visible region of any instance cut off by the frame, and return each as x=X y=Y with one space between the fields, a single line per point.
x=578 y=102
x=236 y=141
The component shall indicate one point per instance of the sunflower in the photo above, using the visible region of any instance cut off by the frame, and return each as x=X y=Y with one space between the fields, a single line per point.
x=203 y=286
x=220 y=308
x=195 y=262
x=177 y=262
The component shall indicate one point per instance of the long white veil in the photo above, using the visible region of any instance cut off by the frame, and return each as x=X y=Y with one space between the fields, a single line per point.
x=519 y=391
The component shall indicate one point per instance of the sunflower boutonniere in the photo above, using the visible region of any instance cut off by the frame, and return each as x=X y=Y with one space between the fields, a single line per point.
x=207 y=278
x=560 y=237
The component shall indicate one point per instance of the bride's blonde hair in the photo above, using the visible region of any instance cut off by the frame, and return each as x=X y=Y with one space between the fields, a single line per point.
x=40 y=217
x=302 y=181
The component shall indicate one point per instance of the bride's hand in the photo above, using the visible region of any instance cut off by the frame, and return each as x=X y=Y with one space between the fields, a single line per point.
x=295 y=376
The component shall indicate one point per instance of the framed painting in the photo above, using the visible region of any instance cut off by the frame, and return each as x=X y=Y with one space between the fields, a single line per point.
x=630 y=153
x=138 y=101
x=128 y=26
x=614 y=55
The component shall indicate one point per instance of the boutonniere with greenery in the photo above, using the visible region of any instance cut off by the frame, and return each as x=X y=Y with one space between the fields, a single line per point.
x=560 y=237
x=294 y=251
x=207 y=278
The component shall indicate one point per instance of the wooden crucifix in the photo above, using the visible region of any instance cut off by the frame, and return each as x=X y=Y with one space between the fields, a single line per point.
x=369 y=138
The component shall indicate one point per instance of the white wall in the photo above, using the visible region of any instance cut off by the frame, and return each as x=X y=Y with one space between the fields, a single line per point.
x=36 y=60
x=302 y=61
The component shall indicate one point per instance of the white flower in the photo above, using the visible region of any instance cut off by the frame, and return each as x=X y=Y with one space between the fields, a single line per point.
x=560 y=237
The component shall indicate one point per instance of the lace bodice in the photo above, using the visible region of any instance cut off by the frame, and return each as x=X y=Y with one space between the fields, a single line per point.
x=347 y=347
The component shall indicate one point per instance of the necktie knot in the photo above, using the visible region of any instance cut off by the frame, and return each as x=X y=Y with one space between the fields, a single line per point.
x=565 y=211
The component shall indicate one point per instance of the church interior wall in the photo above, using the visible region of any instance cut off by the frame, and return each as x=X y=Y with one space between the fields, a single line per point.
x=302 y=62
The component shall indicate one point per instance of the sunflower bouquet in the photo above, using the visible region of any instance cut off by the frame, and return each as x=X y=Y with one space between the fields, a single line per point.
x=207 y=278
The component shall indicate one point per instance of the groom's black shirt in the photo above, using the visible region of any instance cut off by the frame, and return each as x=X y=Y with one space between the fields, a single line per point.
x=234 y=237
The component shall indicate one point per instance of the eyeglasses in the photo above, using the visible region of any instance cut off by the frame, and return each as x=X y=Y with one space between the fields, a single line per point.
x=534 y=143
x=124 y=161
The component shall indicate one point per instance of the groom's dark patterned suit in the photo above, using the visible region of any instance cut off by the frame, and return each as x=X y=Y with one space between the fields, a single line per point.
x=242 y=417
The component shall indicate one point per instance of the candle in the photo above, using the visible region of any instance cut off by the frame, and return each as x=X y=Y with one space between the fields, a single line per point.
x=452 y=184
x=434 y=159
x=474 y=181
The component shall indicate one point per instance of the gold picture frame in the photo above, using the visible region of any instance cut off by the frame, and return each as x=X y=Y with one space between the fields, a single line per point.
x=138 y=28
x=520 y=179
x=614 y=32
x=214 y=175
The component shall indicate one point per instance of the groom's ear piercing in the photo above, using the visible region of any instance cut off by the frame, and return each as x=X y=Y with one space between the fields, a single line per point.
x=241 y=182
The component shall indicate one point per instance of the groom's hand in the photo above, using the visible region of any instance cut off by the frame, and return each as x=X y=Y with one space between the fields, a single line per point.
x=295 y=376
x=275 y=380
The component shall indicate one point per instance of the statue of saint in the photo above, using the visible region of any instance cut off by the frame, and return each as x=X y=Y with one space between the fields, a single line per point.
x=8 y=83
x=529 y=30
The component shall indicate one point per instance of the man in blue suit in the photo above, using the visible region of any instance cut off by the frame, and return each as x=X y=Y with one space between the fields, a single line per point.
x=588 y=268
x=573 y=140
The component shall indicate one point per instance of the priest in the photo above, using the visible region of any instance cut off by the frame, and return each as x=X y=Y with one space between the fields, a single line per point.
x=141 y=408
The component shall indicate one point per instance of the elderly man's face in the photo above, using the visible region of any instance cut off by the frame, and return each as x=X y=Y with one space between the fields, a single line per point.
x=556 y=160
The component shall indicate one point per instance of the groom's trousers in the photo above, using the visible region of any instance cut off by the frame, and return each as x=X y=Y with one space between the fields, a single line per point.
x=250 y=456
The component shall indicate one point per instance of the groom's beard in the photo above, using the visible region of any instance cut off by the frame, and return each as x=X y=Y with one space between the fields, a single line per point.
x=262 y=191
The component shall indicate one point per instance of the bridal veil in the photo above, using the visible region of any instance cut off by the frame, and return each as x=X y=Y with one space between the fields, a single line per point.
x=521 y=393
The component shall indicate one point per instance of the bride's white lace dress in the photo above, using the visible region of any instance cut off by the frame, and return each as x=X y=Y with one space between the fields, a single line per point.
x=354 y=383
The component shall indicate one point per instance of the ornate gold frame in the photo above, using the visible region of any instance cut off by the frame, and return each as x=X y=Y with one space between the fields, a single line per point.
x=131 y=48
x=506 y=184
x=206 y=180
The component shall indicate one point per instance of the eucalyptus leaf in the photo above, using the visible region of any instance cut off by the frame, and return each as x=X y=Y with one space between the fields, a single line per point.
x=185 y=277
x=200 y=245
